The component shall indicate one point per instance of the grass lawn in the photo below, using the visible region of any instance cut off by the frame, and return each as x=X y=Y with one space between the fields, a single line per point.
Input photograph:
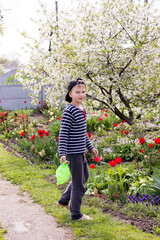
x=33 y=179
x=2 y=232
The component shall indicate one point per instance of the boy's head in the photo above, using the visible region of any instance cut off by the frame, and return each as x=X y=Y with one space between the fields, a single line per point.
x=72 y=84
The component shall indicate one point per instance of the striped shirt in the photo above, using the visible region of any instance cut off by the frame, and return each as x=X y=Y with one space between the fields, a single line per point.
x=73 y=137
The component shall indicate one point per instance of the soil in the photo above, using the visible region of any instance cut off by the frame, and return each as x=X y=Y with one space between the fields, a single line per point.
x=144 y=224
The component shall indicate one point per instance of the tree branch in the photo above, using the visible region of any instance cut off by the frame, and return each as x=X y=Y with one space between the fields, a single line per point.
x=101 y=101
x=126 y=102
x=124 y=29
x=103 y=90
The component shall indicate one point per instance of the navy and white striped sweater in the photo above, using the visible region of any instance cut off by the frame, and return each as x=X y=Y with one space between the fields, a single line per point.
x=73 y=137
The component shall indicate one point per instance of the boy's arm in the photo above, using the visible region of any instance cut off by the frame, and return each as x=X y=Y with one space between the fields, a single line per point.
x=64 y=132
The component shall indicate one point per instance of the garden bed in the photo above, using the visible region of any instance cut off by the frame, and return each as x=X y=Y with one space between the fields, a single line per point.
x=147 y=224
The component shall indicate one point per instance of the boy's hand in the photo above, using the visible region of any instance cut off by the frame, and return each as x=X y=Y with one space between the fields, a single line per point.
x=95 y=152
x=63 y=159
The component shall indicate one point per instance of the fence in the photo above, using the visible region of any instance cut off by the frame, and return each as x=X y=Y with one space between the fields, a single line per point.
x=12 y=95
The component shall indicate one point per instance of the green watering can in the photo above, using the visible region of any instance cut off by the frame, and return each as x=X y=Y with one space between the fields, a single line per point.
x=62 y=173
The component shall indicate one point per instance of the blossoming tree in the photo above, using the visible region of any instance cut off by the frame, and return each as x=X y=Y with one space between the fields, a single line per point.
x=113 y=45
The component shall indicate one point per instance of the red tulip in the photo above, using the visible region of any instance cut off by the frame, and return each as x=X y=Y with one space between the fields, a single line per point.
x=39 y=132
x=112 y=163
x=33 y=137
x=97 y=159
x=92 y=166
x=157 y=140
x=118 y=160
x=142 y=140
x=151 y=145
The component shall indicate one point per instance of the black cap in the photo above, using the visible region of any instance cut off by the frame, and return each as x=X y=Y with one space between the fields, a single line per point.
x=71 y=85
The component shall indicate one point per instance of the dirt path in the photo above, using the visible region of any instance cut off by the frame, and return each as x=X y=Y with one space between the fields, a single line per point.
x=26 y=220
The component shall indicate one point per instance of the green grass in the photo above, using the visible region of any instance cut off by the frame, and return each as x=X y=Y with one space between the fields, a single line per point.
x=2 y=232
x=32 y=178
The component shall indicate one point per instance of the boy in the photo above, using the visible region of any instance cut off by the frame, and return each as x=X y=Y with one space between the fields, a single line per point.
x=73 y=140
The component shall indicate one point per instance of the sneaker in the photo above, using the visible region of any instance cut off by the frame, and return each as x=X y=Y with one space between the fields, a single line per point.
x=85 y=217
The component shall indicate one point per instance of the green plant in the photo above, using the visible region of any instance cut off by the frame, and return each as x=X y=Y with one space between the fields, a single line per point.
x=107 y=123
x=54 y=127
x=150 y=152
x=114 y=118
x=109 y=140
x=7 y=134
x=124 y=151
x=157 y=230
x=139 y=186
x=13 y=122
x=153 y=186
x=93 y=123
x=1 y=108
x=97 y=181
x=108 y=157
x=45 y=112
x=100 y=150
x=42 y=147
x=116 y=184
x=2 y=232
x=35 y=180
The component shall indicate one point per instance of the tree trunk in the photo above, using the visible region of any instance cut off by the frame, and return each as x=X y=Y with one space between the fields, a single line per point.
x=130 y=120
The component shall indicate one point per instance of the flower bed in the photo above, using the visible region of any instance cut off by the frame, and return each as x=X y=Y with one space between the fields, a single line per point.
x=112 y=179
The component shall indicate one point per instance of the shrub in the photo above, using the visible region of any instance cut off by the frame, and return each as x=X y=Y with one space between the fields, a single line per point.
x=124 y=151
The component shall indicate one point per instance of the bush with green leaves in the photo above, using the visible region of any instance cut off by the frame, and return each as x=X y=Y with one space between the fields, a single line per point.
x=124 y=151
x=108 y=157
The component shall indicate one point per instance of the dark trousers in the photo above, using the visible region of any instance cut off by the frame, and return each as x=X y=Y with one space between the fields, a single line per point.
x=76 y=188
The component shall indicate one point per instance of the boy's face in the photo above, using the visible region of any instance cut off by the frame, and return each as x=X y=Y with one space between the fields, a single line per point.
x=78 y=94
